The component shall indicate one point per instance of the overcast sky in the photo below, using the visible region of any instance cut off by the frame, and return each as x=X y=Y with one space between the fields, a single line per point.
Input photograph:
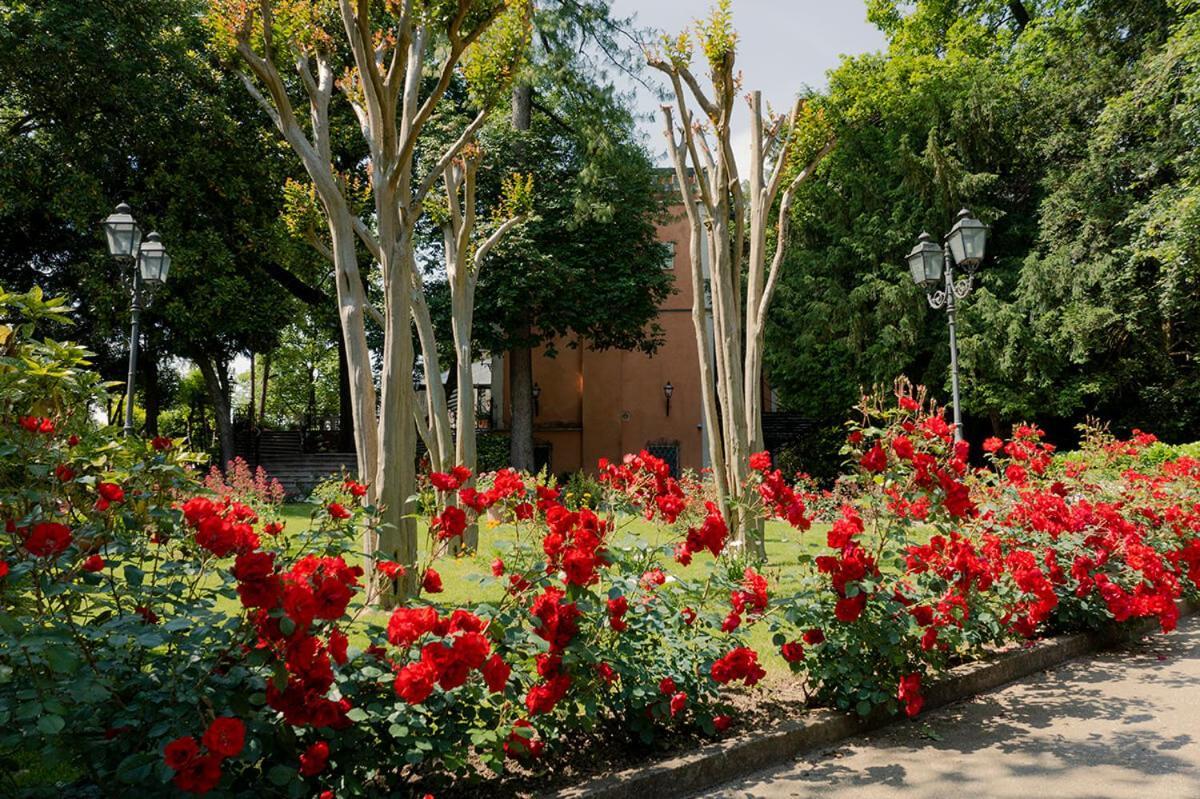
x=783 y=46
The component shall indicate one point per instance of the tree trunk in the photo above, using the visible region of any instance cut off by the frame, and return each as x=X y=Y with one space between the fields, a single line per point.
x=219 y=398
x=266 y=378
x=345 y=411
x=253 y=390
x=520 y=387
x=464 y=453
x=520 y=358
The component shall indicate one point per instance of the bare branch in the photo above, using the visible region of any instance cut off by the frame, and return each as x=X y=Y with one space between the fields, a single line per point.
x=494 y=239
x=785 y=207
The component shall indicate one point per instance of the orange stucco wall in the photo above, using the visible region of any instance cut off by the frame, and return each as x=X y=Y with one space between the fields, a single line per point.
x=606 y=403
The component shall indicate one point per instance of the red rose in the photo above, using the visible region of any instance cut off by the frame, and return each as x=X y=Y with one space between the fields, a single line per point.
x=792 y=652
x=722 y=722
x=414 y=682
x=110 y=492
x=909 y=692
x=3 y=569
x=338 y=644
x=432 y=582
x=336 y=511
x=760 y=461
x=161 y=443
x=521 y=741
x=444 y=482
x=450 y=523
x=273 y=528
x=678 y=703
x=226 y=736
x=199 y=775
x=543 y=697
x=408 y=624
x=497 y=567
x=874 y=460
x=390 y=569
x=850 y=608
x=94 y=563
x=354 y=489
x=314 y=758
x=992 y=444
x=495 y=673
x=48 y=539
x=666 y=686
x=606 y=673
x=179 y=753
x=814 y=636
x=64 y=473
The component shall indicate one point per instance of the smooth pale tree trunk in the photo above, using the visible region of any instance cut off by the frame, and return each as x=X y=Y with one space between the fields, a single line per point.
x=733 y=234
x=345 y=406
x=403 y=63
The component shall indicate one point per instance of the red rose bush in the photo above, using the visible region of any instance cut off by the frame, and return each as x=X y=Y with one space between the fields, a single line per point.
x=160 y=635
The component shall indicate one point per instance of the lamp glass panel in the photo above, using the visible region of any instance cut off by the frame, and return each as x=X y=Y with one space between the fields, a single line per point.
x=916 y=266
x=151 y=262
x=933 y=266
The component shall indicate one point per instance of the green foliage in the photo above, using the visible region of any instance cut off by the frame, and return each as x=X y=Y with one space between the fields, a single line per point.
x=492 y=64
x=106 y=104
x=491 y=451
x=717 y=36
x=1072 y=134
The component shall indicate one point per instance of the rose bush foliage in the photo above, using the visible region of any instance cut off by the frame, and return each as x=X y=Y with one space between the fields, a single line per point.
x=161 y=636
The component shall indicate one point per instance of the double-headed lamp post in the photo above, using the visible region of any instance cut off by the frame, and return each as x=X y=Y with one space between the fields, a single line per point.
x=151 y=266
x=932 y=268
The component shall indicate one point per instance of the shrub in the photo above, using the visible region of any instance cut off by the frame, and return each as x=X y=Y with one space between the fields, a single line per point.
x=159 y=633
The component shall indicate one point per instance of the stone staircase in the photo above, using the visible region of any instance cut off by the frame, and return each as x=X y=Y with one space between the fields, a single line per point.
x=281 y=453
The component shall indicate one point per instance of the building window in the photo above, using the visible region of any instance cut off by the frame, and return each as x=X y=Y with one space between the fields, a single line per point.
x=541 y=456
x=667 y=451
x=669 y=260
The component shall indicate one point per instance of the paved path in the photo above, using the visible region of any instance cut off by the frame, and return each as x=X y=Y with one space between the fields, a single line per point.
x=1123 y=725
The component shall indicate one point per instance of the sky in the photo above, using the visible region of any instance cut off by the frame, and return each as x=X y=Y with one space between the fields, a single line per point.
x=783 y=46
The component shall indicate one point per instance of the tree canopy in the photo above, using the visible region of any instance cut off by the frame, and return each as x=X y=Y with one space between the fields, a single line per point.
x=1070 y=127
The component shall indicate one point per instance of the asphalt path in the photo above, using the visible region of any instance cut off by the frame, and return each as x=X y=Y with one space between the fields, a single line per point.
x=1117 y=725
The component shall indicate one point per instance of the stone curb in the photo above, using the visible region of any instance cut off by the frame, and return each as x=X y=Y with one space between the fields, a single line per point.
x=717 y=763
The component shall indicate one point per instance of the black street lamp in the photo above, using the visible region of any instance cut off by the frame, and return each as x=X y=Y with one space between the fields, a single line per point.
x=151 y=265
x=537 y=392
x=668 y=390
x=930 y=265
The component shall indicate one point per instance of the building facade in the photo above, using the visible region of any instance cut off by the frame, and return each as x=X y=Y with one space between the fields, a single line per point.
x=591 y=404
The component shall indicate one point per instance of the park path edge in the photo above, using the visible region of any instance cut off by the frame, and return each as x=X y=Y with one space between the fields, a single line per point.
x=716 y=763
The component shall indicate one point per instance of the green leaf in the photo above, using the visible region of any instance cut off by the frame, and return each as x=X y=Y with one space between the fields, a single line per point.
x=51 y=724
x=281 y=775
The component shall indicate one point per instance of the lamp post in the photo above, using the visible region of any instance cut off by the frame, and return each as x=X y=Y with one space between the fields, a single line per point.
x=151 y=264
x=932 y=268
x=668 y=390
x=537 y=392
